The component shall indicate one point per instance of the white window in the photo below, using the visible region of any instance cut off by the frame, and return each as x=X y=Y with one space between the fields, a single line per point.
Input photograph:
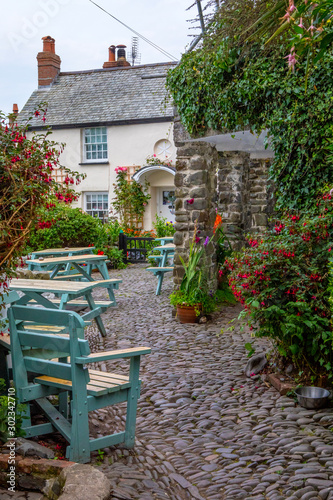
x=97 y=204
x=95 y=144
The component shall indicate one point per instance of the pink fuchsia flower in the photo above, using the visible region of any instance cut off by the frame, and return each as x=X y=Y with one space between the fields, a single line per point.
x=301 y=25
x=291 y=7
x=312 y=28
x=123 y=169
x=291 y=59
x=197 y=239
x=190 y=202
x=286 y=17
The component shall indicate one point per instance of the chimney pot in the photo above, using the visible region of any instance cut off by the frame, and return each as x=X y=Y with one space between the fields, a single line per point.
x=112 y=53
x=48 y=44
x=112 y=58
x=15 y=109
x=121 y=56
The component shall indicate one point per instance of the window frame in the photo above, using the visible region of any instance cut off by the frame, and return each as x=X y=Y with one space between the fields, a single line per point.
x=104 y=152
x=95 y=211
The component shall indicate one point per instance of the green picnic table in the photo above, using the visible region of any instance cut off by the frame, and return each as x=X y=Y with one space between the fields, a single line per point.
x=57 y=252
x=68 y=292
x=76 y=266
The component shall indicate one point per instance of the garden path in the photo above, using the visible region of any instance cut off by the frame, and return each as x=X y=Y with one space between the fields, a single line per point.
x=204 y=430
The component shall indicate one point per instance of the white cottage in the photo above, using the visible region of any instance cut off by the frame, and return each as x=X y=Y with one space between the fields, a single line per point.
x=109 y=117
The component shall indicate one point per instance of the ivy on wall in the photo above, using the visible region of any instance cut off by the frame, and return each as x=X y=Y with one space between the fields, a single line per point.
x=223 y=87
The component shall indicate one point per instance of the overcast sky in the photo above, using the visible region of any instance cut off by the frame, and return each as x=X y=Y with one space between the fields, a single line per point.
x=83 y=34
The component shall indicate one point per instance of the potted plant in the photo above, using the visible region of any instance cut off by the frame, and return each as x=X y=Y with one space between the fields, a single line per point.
x=193 y=297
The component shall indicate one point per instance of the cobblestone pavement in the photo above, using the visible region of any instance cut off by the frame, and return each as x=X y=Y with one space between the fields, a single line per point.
x=204 y=430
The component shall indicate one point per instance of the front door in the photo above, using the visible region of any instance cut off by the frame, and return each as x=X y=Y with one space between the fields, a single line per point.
x=166 y=203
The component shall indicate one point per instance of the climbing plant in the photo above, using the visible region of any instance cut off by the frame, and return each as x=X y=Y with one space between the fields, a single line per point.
x=130 y=198
x=236 y=82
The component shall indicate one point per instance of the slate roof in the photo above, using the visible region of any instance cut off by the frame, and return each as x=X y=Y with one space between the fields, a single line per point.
x=111 y=96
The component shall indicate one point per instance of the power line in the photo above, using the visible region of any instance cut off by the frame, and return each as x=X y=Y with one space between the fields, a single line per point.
x=169 y=56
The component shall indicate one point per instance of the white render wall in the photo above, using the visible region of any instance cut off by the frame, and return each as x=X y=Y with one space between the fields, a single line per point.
x=127 y=145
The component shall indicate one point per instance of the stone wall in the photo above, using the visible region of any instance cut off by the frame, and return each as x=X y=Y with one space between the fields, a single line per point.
x=195 y=179
x=230 y=181
x=244 y=199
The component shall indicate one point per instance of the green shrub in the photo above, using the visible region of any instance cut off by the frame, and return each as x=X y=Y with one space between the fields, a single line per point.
x=163 y=227
x=62 y=226
x=282 y=280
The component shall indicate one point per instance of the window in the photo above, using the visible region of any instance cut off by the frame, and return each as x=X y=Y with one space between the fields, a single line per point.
x=95 y=144
x=97 y=204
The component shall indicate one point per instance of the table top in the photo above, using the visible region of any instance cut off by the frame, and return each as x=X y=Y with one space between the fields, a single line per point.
x=165 y=238
x=53 y=286
x=53 y=251
x=170 y=247
x=85 y=258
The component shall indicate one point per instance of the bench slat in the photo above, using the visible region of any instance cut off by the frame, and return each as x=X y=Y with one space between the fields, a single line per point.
x=94 y=387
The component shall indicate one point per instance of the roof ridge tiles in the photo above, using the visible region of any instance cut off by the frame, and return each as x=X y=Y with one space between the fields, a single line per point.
x=116 y=68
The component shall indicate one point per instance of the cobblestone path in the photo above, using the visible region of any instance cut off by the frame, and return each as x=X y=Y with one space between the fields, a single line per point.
x=204 y=430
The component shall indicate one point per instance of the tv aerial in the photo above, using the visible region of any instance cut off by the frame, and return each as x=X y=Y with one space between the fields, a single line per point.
x=135 y=57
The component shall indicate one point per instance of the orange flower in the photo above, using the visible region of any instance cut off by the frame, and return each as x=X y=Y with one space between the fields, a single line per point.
x=217 y=222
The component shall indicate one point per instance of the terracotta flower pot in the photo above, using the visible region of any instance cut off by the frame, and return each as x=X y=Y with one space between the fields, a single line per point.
x=187 y=314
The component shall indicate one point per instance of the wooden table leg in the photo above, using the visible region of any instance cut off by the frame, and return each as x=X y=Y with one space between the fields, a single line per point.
x=159 y=283
x=98 y=319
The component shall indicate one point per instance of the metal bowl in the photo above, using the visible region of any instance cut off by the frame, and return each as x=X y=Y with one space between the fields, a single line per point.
x=312 y=397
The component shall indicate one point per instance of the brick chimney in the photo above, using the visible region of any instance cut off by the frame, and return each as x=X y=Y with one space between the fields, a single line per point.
x=112 y=58
x=48 y=62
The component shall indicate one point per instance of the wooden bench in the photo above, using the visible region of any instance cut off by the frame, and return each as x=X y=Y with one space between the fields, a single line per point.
x=58 y=362
x=159 y=272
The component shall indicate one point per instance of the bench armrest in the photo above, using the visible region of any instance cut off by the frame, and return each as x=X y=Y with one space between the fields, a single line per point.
x=107 y=355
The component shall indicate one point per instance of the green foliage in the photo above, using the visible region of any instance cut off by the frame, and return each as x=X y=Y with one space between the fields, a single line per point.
x=309 y=27
x=223 y=246
x=154 y=160
x=8 y=404
x=130 y=198
x=163 y=227
x=61 y=226
x=282 y=280
x=205 y=302
x=194 y=285
x=230 y=85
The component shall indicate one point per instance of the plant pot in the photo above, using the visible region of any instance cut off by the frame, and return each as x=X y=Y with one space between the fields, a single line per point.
x=187 y=314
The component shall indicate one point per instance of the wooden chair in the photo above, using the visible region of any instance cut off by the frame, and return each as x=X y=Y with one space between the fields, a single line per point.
x=58 y=364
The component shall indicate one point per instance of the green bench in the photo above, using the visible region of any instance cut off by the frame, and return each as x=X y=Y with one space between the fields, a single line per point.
x=159 y=272
x=57 y=362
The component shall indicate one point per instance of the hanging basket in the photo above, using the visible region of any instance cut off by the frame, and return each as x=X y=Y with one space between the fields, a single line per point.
x=188 y=314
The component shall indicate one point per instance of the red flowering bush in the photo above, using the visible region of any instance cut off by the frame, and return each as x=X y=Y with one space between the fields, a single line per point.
x=282 y=279
x=27 y=163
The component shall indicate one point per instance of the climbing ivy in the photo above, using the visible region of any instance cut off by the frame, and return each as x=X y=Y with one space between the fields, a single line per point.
x=231 y=85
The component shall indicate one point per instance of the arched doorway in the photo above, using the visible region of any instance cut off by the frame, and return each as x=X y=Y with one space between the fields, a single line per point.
x=162 y=191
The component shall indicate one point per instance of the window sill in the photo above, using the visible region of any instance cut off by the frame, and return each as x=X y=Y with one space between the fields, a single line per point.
x=101 y=162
